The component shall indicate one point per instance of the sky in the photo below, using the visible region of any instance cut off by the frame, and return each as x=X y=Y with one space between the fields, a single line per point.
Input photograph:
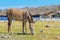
x=24 y=3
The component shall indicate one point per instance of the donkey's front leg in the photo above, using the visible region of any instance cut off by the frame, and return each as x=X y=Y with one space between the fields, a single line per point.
x=23 y=27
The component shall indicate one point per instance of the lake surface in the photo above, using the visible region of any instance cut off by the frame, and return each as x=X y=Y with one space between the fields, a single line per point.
x=3 y=18
x=35 y=18
x=55 y=18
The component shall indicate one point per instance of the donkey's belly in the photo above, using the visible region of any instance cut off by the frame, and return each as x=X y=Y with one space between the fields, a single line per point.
x=18 y=18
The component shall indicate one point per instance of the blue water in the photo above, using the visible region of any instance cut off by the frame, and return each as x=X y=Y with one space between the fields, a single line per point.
x=35 y=18
x=3 y=18
x=55 y=18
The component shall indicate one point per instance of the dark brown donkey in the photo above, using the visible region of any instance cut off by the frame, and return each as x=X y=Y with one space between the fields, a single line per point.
x=21 y=15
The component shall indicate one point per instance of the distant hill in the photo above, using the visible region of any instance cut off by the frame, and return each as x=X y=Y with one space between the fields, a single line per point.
x=44 y=9
x=40 y=10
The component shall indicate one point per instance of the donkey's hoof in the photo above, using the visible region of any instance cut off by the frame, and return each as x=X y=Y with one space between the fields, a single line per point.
x=11 y=33
x=24 y=33
x=32 y=34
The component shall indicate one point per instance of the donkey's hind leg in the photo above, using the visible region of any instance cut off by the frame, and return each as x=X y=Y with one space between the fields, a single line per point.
x=9 y=26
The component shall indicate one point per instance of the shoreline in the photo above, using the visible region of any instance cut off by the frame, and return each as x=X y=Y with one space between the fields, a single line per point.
x=47 y=19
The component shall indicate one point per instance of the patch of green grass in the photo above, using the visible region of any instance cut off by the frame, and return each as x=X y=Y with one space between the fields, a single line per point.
x=41 y=32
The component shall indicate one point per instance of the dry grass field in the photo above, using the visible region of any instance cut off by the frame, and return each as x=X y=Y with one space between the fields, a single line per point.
x=42 y=32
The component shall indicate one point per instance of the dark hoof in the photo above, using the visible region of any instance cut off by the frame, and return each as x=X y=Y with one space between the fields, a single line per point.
x=32 y=34
x=24 y=33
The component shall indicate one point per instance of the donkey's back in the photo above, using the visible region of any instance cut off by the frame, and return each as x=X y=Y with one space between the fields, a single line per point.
x=17 y=14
